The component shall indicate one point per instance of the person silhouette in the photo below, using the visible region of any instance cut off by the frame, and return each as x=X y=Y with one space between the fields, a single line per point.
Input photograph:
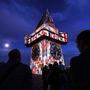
x=50 y=69
x=54 y=77
x=16 y=76
x=2 y=65
x=79 y=65
x=61 y=66
x=44 y=77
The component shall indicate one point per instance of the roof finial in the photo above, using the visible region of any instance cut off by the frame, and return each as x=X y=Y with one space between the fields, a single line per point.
x=47 y=12
x=46 y=18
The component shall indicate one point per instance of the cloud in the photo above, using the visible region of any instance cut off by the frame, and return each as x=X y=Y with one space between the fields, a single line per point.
x=69 y=50
x=58 y=16
x=17 y=21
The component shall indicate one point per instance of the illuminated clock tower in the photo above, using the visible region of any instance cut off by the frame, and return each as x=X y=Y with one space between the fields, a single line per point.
x=46 y=43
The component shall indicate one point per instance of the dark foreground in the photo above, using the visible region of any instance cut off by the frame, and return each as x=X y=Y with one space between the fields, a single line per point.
x=37 y=82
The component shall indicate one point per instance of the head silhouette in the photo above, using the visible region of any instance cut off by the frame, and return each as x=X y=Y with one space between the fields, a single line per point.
x=55 y=65
x=50 y=66
x=83 y=40
x=60 y=62
x=14 y=55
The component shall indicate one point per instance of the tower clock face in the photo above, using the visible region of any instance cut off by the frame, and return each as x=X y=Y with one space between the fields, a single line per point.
x=55 y=50
x=35 y=52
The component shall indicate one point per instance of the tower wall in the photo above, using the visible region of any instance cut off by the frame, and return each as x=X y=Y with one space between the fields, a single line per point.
x=43 y=53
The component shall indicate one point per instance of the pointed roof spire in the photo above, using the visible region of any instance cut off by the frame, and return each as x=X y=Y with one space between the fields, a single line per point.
x=46 y=18
x=47 y=13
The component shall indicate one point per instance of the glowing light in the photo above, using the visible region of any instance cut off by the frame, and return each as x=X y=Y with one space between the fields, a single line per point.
x=6 y=45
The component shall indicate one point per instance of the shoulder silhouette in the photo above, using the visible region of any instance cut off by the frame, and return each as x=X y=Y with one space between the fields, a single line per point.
x=80 y=64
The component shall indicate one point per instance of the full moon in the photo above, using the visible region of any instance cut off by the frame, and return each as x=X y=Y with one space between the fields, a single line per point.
x=7 y=45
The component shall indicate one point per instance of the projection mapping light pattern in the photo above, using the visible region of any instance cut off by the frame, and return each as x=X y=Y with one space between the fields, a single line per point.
x=35 y=52
x=55 y=50
x=45 y=52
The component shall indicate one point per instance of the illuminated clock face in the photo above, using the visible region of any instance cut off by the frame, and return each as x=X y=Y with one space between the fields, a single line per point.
x=55 y=51
x=35 y=52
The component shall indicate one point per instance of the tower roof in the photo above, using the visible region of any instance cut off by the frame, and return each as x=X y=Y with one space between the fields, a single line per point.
x=46 y=30
x=46 y=18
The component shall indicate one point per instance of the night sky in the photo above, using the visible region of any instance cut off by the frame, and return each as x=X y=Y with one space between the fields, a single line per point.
x=18 y=17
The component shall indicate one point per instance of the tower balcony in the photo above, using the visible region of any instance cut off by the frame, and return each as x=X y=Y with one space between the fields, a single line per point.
x=61 y=37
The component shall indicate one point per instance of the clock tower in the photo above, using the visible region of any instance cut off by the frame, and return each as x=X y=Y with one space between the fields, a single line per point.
x=46 y=43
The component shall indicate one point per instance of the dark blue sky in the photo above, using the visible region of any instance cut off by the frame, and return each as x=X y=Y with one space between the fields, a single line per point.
x=18 y=17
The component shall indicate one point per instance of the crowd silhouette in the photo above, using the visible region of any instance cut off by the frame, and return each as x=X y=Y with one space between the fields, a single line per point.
x=54 y=77
x=15 y=75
